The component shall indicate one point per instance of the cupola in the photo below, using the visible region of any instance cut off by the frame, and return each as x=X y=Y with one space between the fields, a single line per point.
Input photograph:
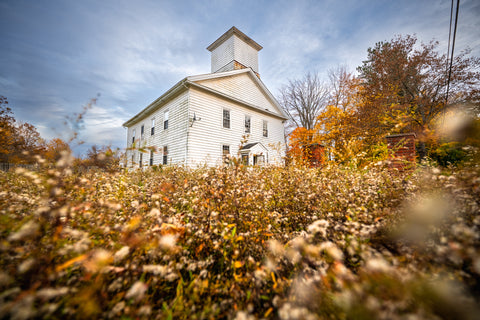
x=234 y=50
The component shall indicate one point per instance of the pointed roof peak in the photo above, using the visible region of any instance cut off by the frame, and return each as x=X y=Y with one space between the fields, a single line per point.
x=234 y=31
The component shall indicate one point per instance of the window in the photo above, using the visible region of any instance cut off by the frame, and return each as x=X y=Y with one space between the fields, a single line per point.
x=165 y=154
x=226 y=118
x=140 y=161
x=151 y=157
x=133 y=159
x=165 y=120
x=152 y=130
x=247 y=124
x=142 y=131
x=265 y=128
x=133 y=136
x=245 y=159
x=225 y=150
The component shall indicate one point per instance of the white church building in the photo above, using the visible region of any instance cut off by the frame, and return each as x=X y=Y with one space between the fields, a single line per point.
x=204 y=118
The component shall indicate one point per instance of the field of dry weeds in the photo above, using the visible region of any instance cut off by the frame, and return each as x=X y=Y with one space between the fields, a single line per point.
x=240 y=243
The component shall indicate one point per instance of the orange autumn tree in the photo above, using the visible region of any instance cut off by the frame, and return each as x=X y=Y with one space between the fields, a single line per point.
x=54 y=150
x=300 y=145
x=19 y=141
x=7 y=130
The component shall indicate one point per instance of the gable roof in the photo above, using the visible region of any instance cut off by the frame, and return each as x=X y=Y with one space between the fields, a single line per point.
x=248 y=146
x=190 y=81
x=255 y=79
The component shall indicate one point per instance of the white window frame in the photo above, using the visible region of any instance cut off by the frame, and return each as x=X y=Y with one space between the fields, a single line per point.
x=248 y=119
x=226 y=120
x=225 y=147
x=165 y=155
x=152 y=129
x=165 y=119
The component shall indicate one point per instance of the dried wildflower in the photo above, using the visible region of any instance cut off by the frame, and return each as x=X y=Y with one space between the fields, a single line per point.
x=377 y=265
x=155 y=269
x=26 y=265
x=145 y=310
x=28 y=230
x=118 y=307
x=276 y=247
x=136 y=291
x=5 y=279
x=98 y=260
x=243 y=315
x=319 y=226
x=82 y=245
x=121 y=254
x=51 y=293
x=168 y=241
x=332 y=250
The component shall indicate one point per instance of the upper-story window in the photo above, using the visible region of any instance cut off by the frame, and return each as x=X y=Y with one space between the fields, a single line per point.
x=226 y=118
x=165 y=120
x=265 y=128
x=142 y=131
x=152 y=130
x=133 y=136
x=248 y=122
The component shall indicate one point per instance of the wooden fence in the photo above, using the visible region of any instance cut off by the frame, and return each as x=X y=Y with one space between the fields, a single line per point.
x=10 y=166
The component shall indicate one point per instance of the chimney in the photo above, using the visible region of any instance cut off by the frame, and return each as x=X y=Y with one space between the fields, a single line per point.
x=234 y=50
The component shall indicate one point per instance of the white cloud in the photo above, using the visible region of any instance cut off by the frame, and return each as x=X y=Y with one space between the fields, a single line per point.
x=60 y=54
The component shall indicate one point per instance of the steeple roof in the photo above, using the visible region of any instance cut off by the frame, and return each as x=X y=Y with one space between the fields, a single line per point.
x=234 y=31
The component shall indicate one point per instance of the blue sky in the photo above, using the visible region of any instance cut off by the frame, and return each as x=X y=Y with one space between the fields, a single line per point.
x=57 y=55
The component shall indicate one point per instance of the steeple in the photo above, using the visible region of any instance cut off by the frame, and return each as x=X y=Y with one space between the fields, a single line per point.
x=234 y=50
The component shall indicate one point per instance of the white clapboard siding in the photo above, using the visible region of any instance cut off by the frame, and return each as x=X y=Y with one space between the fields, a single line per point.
x=222 y=55
x=174 y=137
x=245 y=54
x=242 y=87
x=207 y=136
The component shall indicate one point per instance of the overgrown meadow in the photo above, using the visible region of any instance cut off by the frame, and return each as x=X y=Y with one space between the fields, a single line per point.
x=240 y=243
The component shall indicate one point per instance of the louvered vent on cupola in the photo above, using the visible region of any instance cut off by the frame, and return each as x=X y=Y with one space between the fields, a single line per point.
x=234 y=50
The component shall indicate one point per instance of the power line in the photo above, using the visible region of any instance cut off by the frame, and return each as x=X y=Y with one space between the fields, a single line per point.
x=453 y=47
x=448 y=48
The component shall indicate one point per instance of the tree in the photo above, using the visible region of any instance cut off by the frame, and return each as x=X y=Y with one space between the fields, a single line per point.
x=7 y=130
x=337 y=125
x=404 y=87
x=343 y=86
x=54 y=149
x=18 y=141
x=303 y=100
x=102 y=157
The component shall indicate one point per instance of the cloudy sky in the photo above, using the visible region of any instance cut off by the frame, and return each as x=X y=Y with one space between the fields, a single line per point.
x=57 y=55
